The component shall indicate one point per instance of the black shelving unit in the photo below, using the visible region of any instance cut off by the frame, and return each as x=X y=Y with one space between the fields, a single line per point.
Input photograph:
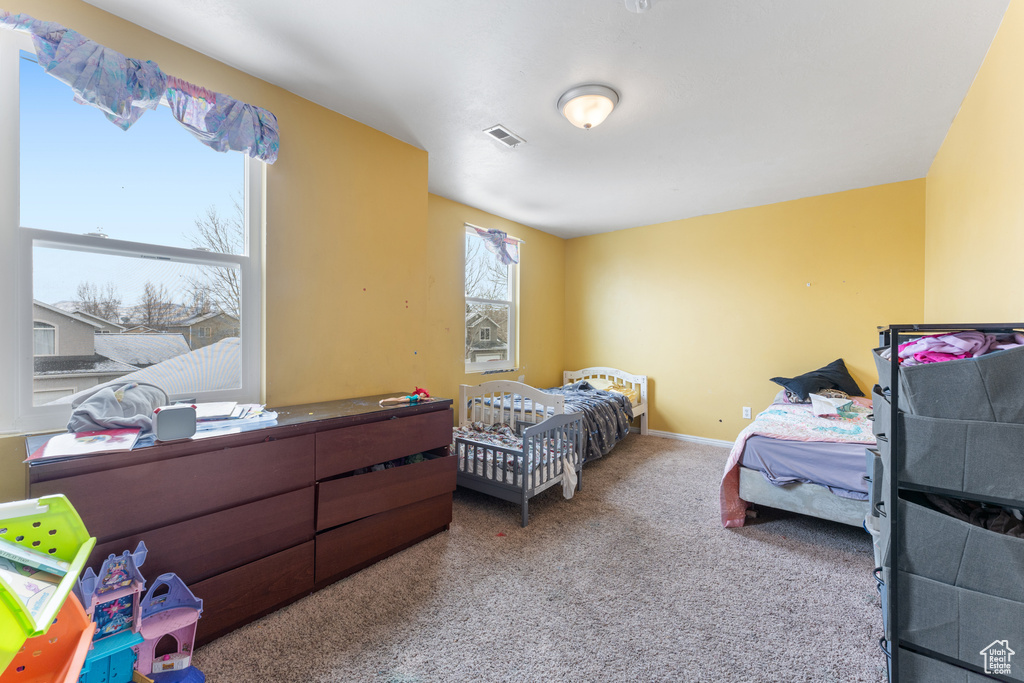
x=892 y=336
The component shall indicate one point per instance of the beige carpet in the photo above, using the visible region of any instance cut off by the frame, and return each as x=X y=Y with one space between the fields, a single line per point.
x=632 y=580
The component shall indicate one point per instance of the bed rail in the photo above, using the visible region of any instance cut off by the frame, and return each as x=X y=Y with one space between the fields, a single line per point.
x=506 y=401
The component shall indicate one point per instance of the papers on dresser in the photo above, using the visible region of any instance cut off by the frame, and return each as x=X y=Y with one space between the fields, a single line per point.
x=78 y=444
x=244 y=416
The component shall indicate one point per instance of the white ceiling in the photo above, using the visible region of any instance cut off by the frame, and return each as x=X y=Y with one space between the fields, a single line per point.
x=724 y=104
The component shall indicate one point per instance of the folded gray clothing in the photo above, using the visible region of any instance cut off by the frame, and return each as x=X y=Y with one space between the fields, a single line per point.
x=117 y=406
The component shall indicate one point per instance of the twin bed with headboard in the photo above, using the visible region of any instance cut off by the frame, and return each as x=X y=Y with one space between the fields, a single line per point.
x=515 y=441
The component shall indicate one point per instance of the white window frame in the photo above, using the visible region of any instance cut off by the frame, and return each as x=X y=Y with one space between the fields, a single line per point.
x=482 y=336
x=17 y=412
x=513 y=313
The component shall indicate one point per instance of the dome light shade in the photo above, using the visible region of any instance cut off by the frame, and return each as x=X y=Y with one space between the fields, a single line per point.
x=586 y=106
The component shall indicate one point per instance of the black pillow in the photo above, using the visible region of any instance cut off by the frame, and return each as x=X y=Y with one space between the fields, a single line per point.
x=832 y=376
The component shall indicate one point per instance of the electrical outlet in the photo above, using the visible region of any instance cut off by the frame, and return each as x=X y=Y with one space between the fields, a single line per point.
x=746 y=412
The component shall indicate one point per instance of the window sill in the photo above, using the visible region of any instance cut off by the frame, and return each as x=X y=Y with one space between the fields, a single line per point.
x=495 y=371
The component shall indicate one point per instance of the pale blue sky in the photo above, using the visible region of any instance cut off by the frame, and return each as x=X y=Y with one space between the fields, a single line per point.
x=79 y=172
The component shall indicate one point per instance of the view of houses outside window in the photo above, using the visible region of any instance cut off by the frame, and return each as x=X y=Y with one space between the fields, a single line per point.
x=490 y=308
x=147 y=294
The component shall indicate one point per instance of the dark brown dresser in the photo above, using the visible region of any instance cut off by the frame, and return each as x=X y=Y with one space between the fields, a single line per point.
x=254 y=520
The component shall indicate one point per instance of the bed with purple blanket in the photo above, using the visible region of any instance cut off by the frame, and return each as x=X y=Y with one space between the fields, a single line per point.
x=791 y=459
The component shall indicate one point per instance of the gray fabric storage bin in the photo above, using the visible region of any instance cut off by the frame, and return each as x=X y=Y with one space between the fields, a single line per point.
x=987 y=388
x=875 y=471
x=881 y=411
x=929 y=614
x=985 y=619
x=979 y=458
x=918 y=668
x=943 y=548
x=957 y=622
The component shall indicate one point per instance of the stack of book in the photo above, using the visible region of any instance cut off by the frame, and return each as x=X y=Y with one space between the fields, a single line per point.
x=31 y=576
x=78 y=444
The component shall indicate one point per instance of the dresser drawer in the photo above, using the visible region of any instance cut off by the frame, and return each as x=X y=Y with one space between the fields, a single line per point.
x=349 y=548
x=129 y=500
x=349 y=448
x=344 y=500
x=244 y=594
x=199 y=548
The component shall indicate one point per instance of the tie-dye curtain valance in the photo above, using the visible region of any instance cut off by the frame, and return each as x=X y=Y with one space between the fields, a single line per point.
x=500 y=244
x=124 y=88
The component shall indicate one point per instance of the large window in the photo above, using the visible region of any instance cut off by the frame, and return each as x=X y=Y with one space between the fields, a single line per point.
x=490 y=308
x=135 y=232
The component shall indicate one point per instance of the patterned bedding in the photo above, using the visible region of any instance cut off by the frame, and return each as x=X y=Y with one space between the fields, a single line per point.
x=789 y=422
x=509 y=452
x=606 y=415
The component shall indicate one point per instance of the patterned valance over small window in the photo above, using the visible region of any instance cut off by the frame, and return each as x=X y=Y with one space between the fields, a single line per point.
x=124 y=88
x=500 y=244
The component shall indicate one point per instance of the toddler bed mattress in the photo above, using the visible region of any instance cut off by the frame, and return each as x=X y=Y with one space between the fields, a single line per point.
x=508 y=456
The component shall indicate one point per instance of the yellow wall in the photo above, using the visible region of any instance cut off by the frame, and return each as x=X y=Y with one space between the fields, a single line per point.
x=363 y=293
x=975 y=194
x=711 y=308
x=541 y=300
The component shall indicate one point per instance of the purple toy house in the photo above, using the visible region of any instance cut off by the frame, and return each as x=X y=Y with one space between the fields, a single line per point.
x=169 y=616
x=111 y=599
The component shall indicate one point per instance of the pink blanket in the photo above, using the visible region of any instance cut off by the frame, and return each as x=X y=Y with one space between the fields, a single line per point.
x=790 y=422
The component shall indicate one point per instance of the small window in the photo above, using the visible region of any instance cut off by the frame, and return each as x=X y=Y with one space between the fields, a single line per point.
x=44 y=339
x=490 y=308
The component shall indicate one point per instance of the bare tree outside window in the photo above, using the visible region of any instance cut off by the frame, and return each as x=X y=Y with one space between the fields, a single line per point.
x=155 y=307
x=103 y=302
x=219 y=288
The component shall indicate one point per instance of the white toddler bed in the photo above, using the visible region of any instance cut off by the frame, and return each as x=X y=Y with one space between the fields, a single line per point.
x=527 y=453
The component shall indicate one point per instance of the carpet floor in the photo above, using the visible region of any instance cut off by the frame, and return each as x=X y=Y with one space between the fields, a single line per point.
x=634 y=579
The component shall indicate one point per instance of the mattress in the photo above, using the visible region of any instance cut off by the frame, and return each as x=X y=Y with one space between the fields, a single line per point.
x=836 y=466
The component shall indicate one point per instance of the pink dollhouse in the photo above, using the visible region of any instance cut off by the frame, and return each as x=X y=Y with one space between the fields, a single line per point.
x=169 y=616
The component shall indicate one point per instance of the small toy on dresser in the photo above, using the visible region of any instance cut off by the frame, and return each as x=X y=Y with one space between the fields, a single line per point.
x=420 y=395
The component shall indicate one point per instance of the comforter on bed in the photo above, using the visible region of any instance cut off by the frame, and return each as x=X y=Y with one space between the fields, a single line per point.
x=790 y=422
x=606 y=415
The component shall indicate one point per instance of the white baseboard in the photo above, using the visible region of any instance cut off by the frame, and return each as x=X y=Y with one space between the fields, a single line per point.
x=687 y=437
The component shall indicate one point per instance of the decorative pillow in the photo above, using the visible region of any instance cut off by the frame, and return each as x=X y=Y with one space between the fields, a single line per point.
x=832 y=376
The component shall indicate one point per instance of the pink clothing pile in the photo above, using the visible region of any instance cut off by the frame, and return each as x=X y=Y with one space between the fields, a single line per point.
x=937 y=348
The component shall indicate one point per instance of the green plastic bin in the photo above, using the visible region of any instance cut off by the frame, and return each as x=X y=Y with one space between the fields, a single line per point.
x=52 y=522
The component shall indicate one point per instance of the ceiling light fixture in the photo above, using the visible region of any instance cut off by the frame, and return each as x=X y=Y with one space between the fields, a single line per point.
x=639 y=6
x=587 y=106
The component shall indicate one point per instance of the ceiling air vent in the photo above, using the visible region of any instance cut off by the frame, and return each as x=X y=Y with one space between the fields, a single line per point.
x=504 y=136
